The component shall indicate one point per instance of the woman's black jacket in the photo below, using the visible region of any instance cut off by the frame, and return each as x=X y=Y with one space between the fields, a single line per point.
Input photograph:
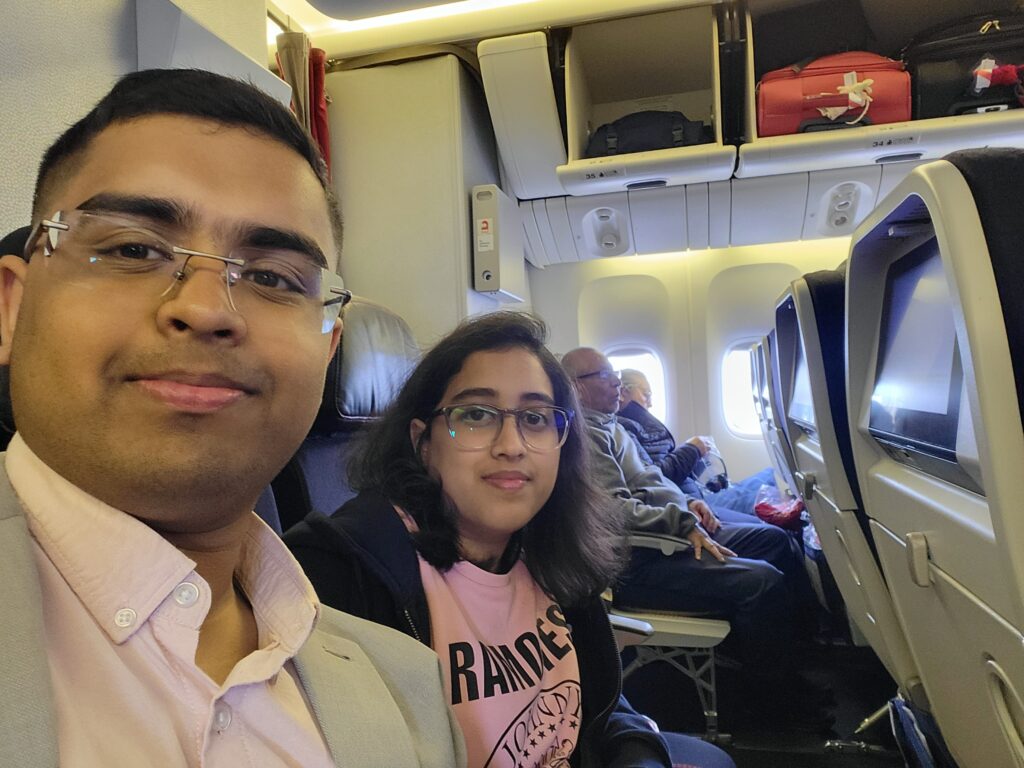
x=362 y=561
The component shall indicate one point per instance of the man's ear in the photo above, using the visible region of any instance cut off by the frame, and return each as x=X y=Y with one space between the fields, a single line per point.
x=420 y=446
x=336 y=332
x=13 y=270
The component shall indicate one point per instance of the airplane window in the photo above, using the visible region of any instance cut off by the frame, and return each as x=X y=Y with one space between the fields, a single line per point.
x=737 y=403
x=649 y=364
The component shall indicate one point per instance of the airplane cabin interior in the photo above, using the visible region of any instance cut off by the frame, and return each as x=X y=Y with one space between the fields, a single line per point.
x=824 y=280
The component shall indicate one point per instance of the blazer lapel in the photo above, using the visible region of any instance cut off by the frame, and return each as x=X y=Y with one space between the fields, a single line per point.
x=355 y=709
x=28 y=736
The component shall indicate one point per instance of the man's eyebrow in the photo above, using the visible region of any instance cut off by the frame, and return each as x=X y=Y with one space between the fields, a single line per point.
x=171 y=213
x=159 y=210
x=259 y=236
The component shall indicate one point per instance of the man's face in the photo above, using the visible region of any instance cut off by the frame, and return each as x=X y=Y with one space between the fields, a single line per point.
x=637 y=390
x=172 y=407
x=597 y=383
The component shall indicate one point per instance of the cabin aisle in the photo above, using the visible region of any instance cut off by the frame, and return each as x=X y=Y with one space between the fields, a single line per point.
x=858 y=679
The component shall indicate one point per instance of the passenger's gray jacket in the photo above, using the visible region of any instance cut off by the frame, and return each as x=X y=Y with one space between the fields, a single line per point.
x=649 y=501
x=376 y=694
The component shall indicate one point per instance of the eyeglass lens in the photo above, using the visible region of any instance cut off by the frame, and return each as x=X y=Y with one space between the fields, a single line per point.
x=260 y=280
x=542 y=428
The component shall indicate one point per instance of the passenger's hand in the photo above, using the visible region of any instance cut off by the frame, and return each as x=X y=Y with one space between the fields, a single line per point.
x=707 y=518
x=701 y=541
x=699 y=444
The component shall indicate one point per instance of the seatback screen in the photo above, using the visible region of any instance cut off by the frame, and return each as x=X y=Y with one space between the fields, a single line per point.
x=916 y=398
x=801 y=407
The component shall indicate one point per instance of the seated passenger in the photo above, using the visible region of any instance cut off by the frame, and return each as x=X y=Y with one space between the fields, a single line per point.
x=680 y=463
x=477 y=532
x=735 y=569
x=149 y=618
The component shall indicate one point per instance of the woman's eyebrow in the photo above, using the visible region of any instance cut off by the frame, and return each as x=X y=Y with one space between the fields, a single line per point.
x=492 y=394
x=472 y=392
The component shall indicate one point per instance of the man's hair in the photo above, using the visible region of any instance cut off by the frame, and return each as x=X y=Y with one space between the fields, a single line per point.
x=630 y=377
x=189 y=93
x=574 y=546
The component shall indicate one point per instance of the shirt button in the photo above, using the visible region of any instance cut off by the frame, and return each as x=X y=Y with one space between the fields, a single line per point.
x=221 y=717
x=186 y=594
x=125 y=618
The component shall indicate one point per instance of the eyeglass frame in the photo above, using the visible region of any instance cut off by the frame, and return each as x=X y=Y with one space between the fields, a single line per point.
x=602 y=374
x=54 y=225
x=446 y=410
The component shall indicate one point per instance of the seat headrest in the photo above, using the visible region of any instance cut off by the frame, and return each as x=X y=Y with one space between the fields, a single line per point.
x=14 y=242
x=376 y=355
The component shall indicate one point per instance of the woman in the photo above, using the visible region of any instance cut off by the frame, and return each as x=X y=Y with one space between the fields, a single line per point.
x=477 y=532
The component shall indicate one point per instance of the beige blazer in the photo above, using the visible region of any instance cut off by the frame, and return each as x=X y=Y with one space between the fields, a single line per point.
x=399 y=718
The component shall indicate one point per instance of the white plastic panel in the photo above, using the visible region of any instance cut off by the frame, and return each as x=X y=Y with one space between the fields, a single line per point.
x=558 y=218
x=971 y=660
x=600 y=225
x=719 y=213
x=698 y=215
x=547 y=237
x=659 y=219
x=768 y=210
x=837 y=201
x=893 y=174
x=536 y=253
x=521 y=100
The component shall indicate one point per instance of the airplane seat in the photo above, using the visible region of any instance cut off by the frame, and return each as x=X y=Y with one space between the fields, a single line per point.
x=685 y=641
x=811 y=319
x=779 y=448
x=935 y=383
x=376 y=354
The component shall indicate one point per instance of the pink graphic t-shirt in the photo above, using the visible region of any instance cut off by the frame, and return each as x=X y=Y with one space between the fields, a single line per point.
x=509 y=664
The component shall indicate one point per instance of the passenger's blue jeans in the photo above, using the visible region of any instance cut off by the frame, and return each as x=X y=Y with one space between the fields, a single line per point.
x=749 y=590
x=740 y=494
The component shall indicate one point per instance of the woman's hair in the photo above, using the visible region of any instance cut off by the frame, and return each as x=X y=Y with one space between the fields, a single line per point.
x=574 y=546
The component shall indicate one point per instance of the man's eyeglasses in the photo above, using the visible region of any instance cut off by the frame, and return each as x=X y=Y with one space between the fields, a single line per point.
x=476 y=427
x=603 y=375
x=127 y=251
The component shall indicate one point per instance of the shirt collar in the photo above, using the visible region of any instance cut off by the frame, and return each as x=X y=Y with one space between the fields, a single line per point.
x=122 y=570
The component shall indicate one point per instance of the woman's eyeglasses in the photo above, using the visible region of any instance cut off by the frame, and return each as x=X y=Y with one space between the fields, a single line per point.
x=476 y=427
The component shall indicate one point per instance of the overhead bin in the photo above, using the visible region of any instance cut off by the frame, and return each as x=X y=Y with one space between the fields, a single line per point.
x=659 y=62
x=864 y=145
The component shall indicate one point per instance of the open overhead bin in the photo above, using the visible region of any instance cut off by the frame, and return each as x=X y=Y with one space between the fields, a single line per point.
x=866 y=143
x=663 y=62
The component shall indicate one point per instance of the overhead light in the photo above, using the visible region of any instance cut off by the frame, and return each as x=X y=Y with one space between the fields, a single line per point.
x=443 y=10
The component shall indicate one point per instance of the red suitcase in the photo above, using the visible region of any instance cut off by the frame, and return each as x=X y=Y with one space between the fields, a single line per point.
x=833 y=92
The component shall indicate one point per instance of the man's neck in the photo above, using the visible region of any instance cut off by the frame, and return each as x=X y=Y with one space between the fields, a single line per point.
x=229 y=632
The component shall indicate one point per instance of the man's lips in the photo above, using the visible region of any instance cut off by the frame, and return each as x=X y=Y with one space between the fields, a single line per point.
x=507 y=481
x=193 y=392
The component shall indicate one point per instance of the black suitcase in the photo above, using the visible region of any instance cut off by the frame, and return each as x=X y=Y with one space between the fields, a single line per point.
x=942 y=60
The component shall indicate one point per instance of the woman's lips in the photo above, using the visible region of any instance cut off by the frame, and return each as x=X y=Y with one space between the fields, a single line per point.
x=507 y=481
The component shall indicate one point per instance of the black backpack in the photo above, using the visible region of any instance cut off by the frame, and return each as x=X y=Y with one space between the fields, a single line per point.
x=644 y=131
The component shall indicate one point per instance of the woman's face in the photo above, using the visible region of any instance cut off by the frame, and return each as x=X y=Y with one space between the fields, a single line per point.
x=496 y=489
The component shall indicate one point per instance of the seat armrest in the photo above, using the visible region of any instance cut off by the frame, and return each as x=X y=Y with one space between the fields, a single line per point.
x=629 y=631
x=668 y=545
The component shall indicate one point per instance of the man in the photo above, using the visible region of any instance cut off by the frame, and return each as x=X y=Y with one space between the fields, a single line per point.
x=741 y=580
x=168 y=335
x=679 y=462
